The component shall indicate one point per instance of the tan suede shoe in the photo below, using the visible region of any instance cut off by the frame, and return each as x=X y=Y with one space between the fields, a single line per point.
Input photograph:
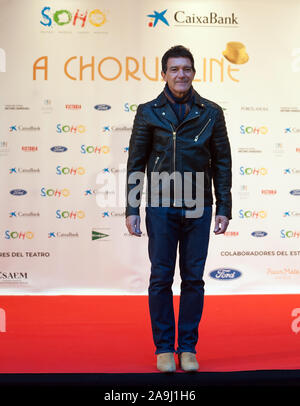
x=188 y=362
x=166 y=362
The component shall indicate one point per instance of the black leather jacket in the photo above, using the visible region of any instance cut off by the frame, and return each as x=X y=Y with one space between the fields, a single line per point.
x=198 y=144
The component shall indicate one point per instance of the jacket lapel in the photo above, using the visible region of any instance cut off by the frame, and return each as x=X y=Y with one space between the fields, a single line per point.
x=164 y=111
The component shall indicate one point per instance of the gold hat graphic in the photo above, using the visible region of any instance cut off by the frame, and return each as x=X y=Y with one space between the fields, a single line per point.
x=235 y=52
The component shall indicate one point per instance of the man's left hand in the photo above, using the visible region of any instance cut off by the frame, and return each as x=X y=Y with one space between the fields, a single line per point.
x=221 y=224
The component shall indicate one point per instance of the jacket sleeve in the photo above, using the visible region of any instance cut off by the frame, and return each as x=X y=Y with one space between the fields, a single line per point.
x=139 y=150
x=221 y=166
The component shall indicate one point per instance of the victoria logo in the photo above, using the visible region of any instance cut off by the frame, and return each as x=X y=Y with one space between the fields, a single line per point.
x=102 y=107
x=225 y=274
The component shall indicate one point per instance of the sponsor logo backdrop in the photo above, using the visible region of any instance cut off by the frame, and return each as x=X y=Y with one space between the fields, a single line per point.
x=72 y=74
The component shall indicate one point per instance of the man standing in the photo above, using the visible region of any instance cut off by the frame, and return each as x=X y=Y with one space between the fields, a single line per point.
x=179 y=133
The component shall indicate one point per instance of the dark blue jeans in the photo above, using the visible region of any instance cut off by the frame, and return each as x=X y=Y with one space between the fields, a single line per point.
x=167 y=227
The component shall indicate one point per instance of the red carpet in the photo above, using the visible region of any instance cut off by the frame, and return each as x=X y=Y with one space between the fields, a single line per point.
x=111 y=334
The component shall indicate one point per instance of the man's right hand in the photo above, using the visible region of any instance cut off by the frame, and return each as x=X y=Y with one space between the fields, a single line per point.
x=133 y=225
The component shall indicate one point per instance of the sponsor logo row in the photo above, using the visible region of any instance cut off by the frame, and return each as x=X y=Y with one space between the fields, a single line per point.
x=63 y=128
x=80 y=170
x=71 y=128
x=243 y=214
x=88 y=192
x=221 y=274
x=29 y=235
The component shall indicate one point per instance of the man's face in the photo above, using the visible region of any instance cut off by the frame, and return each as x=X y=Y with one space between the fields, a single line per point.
x=179 y=75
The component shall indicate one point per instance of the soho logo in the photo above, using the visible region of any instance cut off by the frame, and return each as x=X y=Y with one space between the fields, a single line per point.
x=253 y=130
x=20 y=235
x=2 y=60
x=60 y=170
x=74 y=214
x=2 y=321
x=295 y=326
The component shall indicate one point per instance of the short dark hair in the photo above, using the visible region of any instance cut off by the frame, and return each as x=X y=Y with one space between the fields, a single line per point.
x=176 y=51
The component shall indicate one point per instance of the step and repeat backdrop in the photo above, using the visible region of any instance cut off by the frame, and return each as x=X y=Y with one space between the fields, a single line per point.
x=72 y=74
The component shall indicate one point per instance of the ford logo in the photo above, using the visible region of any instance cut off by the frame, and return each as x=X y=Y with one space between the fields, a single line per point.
x=225 y=274
x=259 y=234
x=59 y=148
x=18 y=192
x=102 y=107
x=295 y=192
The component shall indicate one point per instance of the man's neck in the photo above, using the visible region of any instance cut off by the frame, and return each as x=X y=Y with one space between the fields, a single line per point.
x=180 y=95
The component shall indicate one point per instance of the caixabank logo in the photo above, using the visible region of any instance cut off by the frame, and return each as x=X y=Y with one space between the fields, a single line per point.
x=157 y=16
x=188 y=18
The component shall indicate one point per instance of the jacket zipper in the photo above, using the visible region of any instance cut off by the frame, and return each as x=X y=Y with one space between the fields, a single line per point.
x=174 y=159
x=198 y=135
x=155 y=163
x=174 y=132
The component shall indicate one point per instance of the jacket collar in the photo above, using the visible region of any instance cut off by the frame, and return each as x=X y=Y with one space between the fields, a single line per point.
x=161 y=100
